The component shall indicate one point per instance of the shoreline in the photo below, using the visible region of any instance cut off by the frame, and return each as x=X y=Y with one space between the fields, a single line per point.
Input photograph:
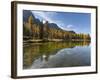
x=53 y=40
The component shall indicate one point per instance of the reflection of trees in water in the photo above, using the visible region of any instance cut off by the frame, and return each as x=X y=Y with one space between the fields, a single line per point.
x=44 y=50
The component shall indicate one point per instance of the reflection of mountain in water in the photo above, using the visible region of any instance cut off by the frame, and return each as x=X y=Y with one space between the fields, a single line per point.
x=44 y=50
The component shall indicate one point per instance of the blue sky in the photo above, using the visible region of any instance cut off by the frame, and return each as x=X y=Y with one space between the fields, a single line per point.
x=78 y=22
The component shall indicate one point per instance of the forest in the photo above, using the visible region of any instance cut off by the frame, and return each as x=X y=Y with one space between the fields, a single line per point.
x=36 y=30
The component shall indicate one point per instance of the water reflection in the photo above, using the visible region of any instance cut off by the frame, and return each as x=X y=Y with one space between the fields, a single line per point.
x=56 y=54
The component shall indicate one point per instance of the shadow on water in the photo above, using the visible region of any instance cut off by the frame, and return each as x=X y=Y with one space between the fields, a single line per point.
x=47 y=54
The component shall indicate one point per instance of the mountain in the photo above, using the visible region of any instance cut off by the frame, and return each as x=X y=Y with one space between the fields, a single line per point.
x=53 y=25
x=26 y=14
x=33 y=28
x=72 y=32
x=37 y=21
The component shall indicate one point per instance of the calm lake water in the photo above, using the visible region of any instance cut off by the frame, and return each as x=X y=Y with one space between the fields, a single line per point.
x=56 y=54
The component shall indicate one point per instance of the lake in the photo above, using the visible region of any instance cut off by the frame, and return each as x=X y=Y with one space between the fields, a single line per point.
x=56 y=54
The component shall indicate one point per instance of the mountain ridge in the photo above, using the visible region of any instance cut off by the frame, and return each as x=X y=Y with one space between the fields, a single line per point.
x=27 y=13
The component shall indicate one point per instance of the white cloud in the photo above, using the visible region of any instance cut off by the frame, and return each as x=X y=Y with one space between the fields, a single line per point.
x=44 y=15
x=69 y=26
x=48 y=16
